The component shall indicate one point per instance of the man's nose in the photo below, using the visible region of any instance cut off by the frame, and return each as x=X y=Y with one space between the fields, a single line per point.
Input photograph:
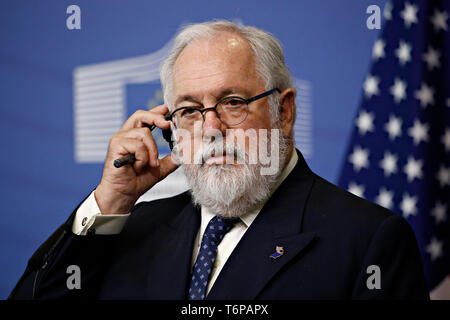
x=212 y=124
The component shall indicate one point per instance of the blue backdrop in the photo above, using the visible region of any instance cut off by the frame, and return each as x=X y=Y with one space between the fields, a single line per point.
x=44 y=176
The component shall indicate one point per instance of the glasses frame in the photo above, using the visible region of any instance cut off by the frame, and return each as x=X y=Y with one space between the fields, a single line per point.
x=203 y=110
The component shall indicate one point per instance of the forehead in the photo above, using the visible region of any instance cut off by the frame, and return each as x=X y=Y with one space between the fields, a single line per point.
x=206 y=65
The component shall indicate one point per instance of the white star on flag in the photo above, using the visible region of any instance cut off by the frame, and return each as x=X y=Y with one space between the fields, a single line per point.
x=431 y=57
x=408 y=205
x=446 y=139
x=419 y=132
x=443 y=176
x=394 y=127
x=425 y=95
x=389 y=163
x=371 y=86
x=359 y=158
x=413 y=169
x=403 y=52
x=434 y=249
x=384 y=198
x=365 y=122
x=409 y=14
x=356 y=189
x=378 y=49
x=398 y=90
x=439 y=20
x=387 y=12
x=439 y=212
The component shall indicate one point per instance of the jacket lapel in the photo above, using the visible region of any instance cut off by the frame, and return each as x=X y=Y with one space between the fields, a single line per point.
x=170 y=264
x=250 y=267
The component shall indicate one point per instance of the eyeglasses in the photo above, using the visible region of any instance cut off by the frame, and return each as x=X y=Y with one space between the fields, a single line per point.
x=231 y=111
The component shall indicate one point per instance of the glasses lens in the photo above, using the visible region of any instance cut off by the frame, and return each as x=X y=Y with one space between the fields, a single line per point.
x=185 y=118
x=232 y=110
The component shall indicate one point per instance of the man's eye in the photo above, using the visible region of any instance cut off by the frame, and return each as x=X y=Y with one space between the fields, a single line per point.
x=188 y=112
x=234 y=103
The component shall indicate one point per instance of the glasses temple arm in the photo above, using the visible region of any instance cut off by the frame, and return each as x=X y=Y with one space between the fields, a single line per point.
x=262 y=95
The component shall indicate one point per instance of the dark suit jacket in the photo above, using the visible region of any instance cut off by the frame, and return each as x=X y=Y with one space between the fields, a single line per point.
x=330 y=237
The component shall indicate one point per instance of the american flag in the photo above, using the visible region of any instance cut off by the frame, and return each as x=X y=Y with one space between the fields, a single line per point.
x=399 y=153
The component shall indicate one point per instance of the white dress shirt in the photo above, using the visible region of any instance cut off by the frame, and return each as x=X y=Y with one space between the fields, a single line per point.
x=88 y=217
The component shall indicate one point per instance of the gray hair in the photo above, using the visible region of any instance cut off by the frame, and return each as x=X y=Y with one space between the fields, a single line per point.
x=269 y=57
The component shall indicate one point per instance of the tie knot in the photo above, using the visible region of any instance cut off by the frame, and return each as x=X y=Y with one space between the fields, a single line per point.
x=218 y=227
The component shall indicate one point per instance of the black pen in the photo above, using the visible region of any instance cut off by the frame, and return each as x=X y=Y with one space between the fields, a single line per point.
x=129 y=158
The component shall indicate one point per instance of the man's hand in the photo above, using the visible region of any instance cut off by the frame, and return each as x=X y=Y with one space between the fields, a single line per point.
x=120 y=188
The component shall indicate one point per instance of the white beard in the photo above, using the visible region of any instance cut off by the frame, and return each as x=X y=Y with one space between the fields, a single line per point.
x=230 y=190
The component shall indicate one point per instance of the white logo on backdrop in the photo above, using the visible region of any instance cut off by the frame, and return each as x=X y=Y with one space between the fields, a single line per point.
x=100 y=100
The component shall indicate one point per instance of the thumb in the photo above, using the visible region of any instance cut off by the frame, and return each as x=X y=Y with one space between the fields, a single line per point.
x=167 y=165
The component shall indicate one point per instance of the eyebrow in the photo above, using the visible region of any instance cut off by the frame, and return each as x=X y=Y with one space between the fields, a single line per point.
x=184 y=98
x=222 y=93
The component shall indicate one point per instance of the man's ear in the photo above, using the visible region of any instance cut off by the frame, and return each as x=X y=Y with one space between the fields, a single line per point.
x=287 y=111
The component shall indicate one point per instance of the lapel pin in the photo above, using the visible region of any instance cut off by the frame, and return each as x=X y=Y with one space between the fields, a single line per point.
x=279 y=251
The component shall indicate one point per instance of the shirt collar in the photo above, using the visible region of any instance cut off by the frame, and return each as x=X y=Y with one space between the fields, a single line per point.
x=249 y=217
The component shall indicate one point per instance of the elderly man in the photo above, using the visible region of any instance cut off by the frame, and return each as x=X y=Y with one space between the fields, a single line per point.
x=240 y=232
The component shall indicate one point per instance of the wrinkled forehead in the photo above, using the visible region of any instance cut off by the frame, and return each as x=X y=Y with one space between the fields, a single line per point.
x=227 y=45
x=222 y=56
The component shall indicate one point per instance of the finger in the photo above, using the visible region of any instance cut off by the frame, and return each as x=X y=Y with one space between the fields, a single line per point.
x=162 y=109
x=143 y=118
x=125 y=146
x=144 y=134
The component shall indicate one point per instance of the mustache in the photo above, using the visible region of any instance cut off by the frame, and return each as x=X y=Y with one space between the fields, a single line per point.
x=209 y=150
